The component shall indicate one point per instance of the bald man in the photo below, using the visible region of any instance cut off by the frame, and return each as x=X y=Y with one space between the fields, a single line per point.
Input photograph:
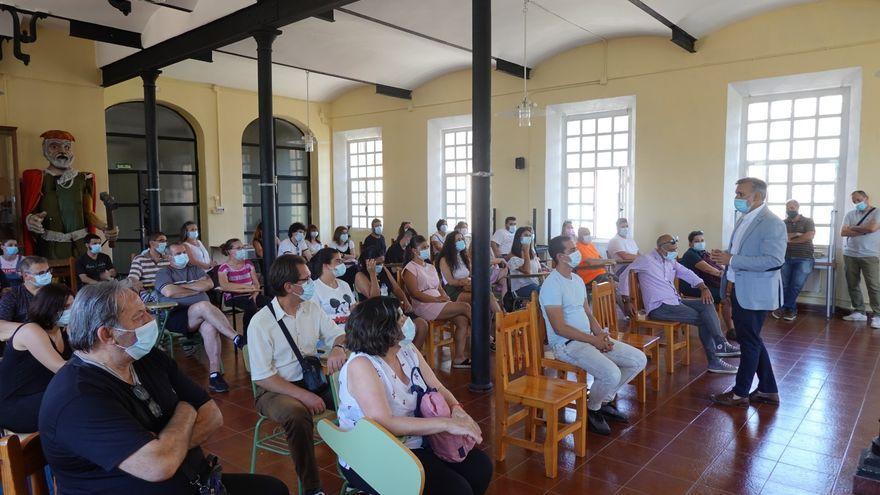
x=798 y=259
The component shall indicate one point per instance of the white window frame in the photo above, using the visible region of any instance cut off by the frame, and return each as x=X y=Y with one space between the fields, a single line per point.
x=340 y=175
x=469 y=151
x=363 y=182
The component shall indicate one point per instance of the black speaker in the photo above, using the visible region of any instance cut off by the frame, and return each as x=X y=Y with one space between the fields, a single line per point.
x=520 y=163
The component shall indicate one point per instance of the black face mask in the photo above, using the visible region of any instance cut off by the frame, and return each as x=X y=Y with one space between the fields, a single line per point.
x=791 y=214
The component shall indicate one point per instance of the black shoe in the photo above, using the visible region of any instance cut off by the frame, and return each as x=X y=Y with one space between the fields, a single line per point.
x=239 y=341
x=597 y=424
x=216 y=383
x=789 y=315
x=612 y=414
x=764 y=397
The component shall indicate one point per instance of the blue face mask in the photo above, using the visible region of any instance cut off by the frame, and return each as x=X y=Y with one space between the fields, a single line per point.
x=574 y=259
x=377 y=230
x=161 y=247
x=460 y=245
x=379 y=269
x=623 y=231
x=298 y=236
x=741 y=205
x=64 y=319
x=146 y=339
x=408 y=329
x=339 y=270
x=180 y=260
x=241 y=254
x=343 y=238
x=425 y=254
x=861 y=206
x=313 y=233
x=444 y=228
x=512 y=229
x=11 y=250
x=308 y=290
x=700 y=246
x=525 y=240
x=193 y=234
x=95 y=248
x=671 y=255
x=43 y=279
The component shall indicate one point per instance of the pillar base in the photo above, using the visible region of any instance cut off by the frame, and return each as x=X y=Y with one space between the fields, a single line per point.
x=867 y=478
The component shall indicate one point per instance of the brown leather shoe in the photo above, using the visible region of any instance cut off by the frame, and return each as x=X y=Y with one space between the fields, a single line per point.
x=727 y=399
x=764 y=397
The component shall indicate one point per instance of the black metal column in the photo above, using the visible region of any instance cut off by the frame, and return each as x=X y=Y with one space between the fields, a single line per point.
x=152 y=146
x=480 y=188
x=268 y=198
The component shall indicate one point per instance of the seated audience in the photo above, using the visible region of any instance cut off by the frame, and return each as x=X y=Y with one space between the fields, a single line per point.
x=438 y=237
x=592 y=267
x=455 y=268
x=145 y=266
x=239 y=282
x=462 y=228
x=622 y=247
x=373 y=280
x=376 y=238
x=799 y=259
x=657 y=272
x=377 y=383
x=257 y=241
x=277 y=374
x=397 y=251
x=199 y=255
x=697 y=260
x=576 y=337
x=502 y=239
x=523 y=261
x=34 y=353
x=121 y=417
x=295 y=242
x=568 y=230
x=314 y=239
x=9 y=262
x=404 y=226
x=14 y=304
x=333 y=294
x=94 y=266
x=342 y=242
x=187 y=285
x=431 y=302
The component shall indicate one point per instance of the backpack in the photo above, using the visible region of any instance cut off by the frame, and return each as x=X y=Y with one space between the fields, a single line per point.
x=431 y=404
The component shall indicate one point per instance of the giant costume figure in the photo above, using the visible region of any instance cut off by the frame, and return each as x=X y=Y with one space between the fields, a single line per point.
x=58 y=203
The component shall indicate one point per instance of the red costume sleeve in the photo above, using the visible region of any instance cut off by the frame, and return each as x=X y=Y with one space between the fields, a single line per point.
x=31 y=192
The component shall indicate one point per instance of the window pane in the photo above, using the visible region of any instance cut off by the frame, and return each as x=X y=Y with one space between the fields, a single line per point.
x=805 y=107
x=124 y=187
x=776 y=194
x=607 y=202
x=756 y=152
x=604 y=125
x=758 y=171
x=588 y=143
x=778 y=210
x=292 y=191
x=830 y=105
x=572 y=160
x=828 y=148
x=780 y=130
x=805 y=128
x=757 y=131
x=777 y=173
x=126 y=153
x=780 y=109
x=573 y=127
x=822 y=214
x=177 y=215
x=826 y=172
x=824 y=193
x=823 y=236
x=803 y=149
x=758 y=111
x=829 y=126
x=802 y=193
x=178 y=156
x=802 y=172
x=621 y=123
x=250 y=160
x=291 y=162
x=779 y=150
x=178 y=188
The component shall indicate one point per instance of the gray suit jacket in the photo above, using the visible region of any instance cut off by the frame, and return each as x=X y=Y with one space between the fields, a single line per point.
x=756 y=266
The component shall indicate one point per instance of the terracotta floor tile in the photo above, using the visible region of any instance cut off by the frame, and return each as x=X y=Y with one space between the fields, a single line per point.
x=608 y=469
x=507 y=486
x=654 y=483
x=570 y=483
x=678 y=466
x=801 y=478
x=628 y=452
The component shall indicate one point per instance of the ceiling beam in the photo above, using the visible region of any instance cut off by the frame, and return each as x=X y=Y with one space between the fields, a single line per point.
x=105 y=34
x=221 y=32
x=403 y=94
x=512 y=68
x=679 y=36
x=163 y=3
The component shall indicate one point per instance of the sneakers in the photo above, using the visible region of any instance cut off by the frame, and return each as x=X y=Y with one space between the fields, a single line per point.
x=777 y=313
x=217 y=384
x=597 y=424
x=239 y=341
x=722 y=367
x=856 y=316
x=611 y=413
x=726 y=350
x=789 y=315
x=875 y=322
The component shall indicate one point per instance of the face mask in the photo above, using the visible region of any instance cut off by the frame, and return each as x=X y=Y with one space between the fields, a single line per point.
x=64 y=319
x=339 y=270
x=146 y=339
x=791 y=214
x=180 y=260
x=525 y=240
x=587 y=239
x=377 y=230
x=463 y=232
x=11 y=250
x=379 y=269
x=460 y=245
x=241 y=254
x=512 y=229
x=95 y=248
x=408 y=329
x=623 y=231
x=343 y=238
x=308 y=289
x=43 y=279
x=700 y=246
x=298 y=236
x=574 y=259
x=425 y=254
x=861 y=206
x=741 y=205
x=444 y=228
x=161 y=247
x=569 y=232
x=671 y=255
x=313 y=234
x=193 y=234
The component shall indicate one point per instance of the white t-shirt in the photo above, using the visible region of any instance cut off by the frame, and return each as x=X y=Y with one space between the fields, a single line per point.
x=618 y=244
x=570 y=294
x=504 y=239
x=344 y=248
x=862 y=246
x=314 y=247
x=335 y=302
x=289 y=246
x=515 y=263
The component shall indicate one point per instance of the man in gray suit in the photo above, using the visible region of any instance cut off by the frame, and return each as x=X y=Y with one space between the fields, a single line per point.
x=753 y=260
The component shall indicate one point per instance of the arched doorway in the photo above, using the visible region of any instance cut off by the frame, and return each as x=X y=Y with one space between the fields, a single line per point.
x=127 y=168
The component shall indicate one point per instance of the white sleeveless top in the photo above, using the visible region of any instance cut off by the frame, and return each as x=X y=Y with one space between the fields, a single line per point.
x=398 y=395
x=199 y=252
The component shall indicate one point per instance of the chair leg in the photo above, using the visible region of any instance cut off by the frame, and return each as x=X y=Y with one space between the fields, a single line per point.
x=641 y=386
x=670 y=349
x=655 y=356
x=687 y=345
x=500 y=430
x=551 y=444
x=254 y=445
x=580 y=435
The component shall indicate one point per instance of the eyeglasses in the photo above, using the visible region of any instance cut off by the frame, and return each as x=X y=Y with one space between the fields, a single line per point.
x=144 y=396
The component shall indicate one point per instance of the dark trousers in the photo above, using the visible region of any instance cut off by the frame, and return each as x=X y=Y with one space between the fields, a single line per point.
x=19 y=413
x=242 y=484
x=754 y=357
x=470 y=476
x=248 y=306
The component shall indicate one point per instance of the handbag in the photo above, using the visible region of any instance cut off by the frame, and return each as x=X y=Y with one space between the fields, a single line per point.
x=314 y=379
x=431 y=404
x=208 y=479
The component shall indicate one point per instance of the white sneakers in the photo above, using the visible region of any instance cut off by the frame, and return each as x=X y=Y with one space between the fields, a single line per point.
x=856 y=316
x=875 y=322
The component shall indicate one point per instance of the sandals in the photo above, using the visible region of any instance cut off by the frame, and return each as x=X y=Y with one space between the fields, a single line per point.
x=466 y=364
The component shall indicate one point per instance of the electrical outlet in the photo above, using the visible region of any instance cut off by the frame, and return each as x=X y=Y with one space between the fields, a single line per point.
x=219 y=210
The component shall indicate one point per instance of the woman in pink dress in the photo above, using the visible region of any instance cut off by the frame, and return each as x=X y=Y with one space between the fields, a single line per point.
x=430 y=301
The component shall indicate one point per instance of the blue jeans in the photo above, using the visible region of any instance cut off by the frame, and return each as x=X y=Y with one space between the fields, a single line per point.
x=794 y=274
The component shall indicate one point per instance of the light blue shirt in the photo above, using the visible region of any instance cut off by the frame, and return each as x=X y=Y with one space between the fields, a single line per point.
x=570 y=294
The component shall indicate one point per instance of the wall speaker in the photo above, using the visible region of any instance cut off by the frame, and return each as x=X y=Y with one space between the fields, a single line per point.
x=519 y=163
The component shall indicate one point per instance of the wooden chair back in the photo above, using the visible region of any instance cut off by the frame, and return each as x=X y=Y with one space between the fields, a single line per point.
x=605 y=305
x=515 y=345
x=635 y=291
x=20 y=461
x=65 y=270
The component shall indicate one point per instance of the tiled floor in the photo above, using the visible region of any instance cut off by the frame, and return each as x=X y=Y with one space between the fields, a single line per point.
x=677 y=442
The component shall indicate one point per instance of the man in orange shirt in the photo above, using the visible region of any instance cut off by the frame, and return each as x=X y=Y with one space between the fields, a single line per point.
x=592 y=266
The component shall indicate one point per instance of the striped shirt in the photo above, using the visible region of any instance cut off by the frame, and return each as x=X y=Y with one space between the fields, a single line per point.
x=237 y=276
x=143 y=268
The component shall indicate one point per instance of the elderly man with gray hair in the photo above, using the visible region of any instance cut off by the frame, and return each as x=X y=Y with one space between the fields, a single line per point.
x=121 y=417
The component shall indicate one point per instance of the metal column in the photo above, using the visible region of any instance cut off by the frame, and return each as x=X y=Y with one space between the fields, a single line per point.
x=480 y=189
x=268 y=198
x=152 y=146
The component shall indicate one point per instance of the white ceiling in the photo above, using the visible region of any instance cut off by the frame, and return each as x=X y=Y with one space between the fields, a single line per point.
x=367 y=51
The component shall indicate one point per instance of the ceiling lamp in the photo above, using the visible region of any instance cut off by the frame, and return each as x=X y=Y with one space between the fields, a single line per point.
x=308 y=138
x=524 y=109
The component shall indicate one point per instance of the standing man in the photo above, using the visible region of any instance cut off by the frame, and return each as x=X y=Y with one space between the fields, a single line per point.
x=502 y=239
x=753 y=260
x=861 y=256
x=798 y=259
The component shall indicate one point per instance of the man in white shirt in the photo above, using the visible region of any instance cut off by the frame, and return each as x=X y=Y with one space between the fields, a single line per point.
x=296 y=242
x=502 y=239
x=861 y=256
x=280 y=391
x=622 y=247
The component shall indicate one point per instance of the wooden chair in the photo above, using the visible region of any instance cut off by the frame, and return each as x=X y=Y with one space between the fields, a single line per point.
x=675 y=333
x=377 y=456
x=65 y=272
x=519 y=382
x=549 y=361
x=22 y=464
x=605 y=311
x=441 y=333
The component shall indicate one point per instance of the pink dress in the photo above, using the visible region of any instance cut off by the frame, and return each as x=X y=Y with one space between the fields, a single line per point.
x=428 y=283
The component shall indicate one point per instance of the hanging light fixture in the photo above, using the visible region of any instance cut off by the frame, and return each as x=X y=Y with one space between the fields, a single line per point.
x=524 y=109
x=308 y=137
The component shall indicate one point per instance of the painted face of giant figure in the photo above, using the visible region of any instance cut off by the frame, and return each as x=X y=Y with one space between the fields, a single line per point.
x=59 y=152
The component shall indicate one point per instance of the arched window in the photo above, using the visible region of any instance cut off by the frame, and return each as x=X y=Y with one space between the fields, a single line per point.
x=292 y=169
x=126 y=163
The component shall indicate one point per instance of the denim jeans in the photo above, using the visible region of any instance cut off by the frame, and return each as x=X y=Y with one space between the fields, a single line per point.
x=695 y=312
x=794 y=274
x=611 y=370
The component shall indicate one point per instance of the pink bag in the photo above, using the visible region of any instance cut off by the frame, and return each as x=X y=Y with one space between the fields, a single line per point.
x=431 y=404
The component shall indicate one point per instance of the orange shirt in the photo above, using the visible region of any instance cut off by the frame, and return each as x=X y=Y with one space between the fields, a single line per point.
x=588 y=251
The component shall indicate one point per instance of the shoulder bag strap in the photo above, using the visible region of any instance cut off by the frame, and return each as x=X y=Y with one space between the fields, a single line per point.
x=287 y=336
x=866 y=215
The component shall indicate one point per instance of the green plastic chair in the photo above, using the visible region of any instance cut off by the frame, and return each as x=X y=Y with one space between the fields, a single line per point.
x=377 y=456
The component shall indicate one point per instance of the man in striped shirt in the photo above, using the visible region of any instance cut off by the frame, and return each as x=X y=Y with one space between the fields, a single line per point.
x=144 y=266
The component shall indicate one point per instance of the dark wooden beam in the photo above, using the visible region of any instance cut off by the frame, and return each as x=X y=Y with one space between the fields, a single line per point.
x=105 y=34
x=679 y=36
x=404 y=94
x=512 y=68
x=266 y=14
